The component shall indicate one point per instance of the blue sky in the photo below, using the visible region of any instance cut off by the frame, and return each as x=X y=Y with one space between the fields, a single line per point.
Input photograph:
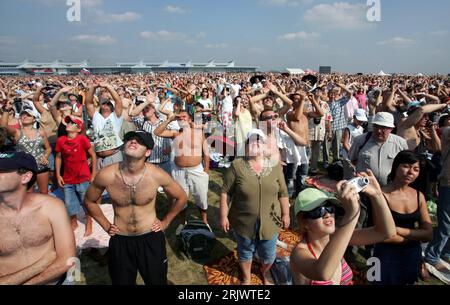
x=413 y=36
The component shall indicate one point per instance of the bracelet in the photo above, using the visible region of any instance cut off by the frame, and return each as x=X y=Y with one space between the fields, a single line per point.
x=353 y=218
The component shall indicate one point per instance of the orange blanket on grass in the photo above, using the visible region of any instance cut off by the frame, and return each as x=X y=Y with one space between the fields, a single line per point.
x=226 y=270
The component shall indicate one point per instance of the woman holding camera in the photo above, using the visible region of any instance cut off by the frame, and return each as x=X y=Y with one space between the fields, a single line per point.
x=401 y=254
x=319 y=257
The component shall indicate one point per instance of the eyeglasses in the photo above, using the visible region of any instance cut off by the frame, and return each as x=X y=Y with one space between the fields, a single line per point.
x=271 y=117
x=320 y=211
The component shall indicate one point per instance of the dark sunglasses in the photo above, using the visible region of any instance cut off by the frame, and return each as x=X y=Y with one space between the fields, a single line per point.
x=320 y=211
x=271 y=117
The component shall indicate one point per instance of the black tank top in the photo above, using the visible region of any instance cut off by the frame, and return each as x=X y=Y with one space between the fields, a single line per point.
x=406 y=220
x=403 y=221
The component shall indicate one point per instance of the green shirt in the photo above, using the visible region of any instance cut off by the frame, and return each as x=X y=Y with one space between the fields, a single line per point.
x=254 y=198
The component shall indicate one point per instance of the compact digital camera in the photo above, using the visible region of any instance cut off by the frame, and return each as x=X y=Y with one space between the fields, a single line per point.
x=360 y=183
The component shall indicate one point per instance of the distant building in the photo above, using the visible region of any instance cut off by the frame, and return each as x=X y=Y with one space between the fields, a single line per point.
x=63 y=68
x=325 y=70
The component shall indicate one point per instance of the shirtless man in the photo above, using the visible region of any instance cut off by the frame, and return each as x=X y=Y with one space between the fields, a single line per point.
x=138 y=242
x=410 y=128
x=37 y=240
x=190 y=149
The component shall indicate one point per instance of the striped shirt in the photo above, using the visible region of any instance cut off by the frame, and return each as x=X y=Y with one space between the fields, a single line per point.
x=346 y=273
x=161 y=144
x=337 y=109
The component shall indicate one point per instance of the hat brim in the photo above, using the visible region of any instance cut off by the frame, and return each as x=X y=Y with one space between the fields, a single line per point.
x=361 y=119
x=384 y=124
x=319 y=202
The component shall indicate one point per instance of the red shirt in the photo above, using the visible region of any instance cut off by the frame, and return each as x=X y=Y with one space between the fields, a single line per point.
x=73 y=153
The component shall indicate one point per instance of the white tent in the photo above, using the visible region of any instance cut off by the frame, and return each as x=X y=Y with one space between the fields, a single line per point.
x=420 y=74
x=383 y=74
x=295 y=71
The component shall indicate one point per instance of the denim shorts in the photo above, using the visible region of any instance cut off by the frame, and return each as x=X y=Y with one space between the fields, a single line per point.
x=267 y=249
x=74 y=197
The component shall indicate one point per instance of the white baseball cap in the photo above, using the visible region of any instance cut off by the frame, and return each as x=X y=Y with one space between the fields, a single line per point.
x=384 y=119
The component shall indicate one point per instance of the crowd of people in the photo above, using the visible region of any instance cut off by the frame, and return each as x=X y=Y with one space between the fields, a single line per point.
x=134 y=136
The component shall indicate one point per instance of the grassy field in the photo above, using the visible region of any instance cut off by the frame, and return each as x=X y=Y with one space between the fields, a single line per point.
x=181 y=270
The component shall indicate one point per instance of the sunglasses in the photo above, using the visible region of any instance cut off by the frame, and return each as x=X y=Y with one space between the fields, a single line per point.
x=271 y=117
x=320 y=211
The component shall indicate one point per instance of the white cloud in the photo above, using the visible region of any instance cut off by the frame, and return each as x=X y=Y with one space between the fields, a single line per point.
x=84 y=3
x=103 y=17
x=174 y=9
x=164 y=35
x=299 y=36
x=397 y=41
x=94 y=39
x=216 y=46
x=200 y=35
x=340 y=15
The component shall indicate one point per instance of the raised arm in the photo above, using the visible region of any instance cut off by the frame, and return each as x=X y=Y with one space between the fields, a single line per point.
x=318 y=112
x=287 y=102
x=37 y=104
x=150 y=99
x=417 y=115
x=161 y=130
x=90 y=109
x=12 y=132
x=384 y=226
x=118 y=108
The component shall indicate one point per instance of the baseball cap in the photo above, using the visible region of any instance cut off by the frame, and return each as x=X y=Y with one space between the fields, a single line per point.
x=414 y=105
x=75 y=95
x=30 y=111
x=106 y=100
x=79 y=123
x=143 y=137
x=360 y=115
x=258 y=133
x=311 y=198
x=384 y=119
x=17 y=160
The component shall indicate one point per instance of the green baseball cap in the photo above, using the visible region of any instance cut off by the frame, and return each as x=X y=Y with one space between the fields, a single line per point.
x=312 y=198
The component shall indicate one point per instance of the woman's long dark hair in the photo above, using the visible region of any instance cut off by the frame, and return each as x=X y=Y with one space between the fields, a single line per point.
x=410 y=157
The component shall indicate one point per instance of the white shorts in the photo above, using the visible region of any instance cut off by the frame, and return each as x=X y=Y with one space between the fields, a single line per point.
x=193 y=179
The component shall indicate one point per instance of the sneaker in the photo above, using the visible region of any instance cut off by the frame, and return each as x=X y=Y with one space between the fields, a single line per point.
x=160 y=190
x=440 y=271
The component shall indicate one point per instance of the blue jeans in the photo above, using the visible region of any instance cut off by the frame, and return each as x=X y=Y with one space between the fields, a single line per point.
x=440 y=245
x=74 y=197
x=267 y=249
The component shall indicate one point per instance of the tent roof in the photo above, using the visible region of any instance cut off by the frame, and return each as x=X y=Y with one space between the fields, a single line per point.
x=295 y=71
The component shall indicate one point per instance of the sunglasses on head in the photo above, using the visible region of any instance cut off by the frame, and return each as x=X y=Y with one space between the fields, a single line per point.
x=320 y=212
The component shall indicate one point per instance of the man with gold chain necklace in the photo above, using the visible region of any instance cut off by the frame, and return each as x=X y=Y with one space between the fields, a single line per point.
x=137 y=240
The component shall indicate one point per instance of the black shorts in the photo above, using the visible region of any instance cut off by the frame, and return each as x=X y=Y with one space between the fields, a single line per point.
x=144 y=253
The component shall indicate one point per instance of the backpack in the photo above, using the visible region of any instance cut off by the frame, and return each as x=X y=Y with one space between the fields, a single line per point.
x=281 y=271
x=336 y=171
x=197 y=240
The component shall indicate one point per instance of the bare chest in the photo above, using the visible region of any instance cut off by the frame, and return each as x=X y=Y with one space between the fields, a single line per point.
x=139 y=194
x=23 y=233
